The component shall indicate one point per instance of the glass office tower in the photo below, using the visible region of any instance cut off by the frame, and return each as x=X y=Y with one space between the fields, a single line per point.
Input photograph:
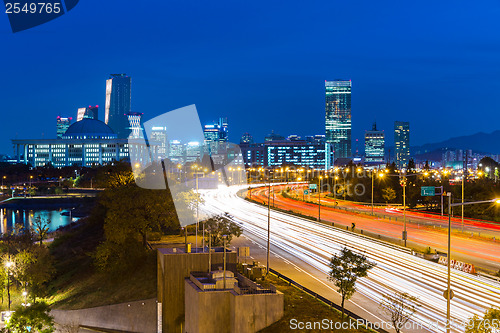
x=402 y=143
x=374 y=145
x=118 y=99
x=338 y=117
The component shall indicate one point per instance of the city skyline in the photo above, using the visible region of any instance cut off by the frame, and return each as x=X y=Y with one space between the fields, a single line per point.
x=392 y=68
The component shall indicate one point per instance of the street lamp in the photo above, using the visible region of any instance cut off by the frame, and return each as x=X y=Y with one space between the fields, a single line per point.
x=448 y=295
x=268 y=221
x=373 y=188
x=319 y=197
x=4 y=177
x=8 y=265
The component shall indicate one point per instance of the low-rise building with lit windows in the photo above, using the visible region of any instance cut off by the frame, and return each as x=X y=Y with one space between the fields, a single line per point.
x=85 y=143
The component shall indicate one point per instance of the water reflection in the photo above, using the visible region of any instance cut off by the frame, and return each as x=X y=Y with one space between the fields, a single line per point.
x=25 y=217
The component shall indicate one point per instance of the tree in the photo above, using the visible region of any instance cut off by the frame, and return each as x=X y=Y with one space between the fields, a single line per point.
x=221 y=225
x=346 y=268
x=130 y=214
x=400 y=306
x=490 y=323
x=388 y=194
x=41 y=228
x=29 y=319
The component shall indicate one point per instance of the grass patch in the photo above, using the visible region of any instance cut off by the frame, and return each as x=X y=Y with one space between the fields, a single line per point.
x=303 y=308
x=79 y=284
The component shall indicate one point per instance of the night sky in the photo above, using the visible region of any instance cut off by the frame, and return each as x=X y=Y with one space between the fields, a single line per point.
x=262 y=64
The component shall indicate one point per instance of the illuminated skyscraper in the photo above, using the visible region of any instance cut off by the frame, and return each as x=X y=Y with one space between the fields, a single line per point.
x=338 y=117
x=159 y=134
x=62 y=125
x=374 y=145
x=215 y=135
x=134 y=121
x=91 y=112
x=402 y=143
x=118 y=99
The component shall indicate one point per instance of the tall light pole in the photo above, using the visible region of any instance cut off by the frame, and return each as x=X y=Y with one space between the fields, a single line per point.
x=319 y=197
x=405 y=235
x=8 y=265
x=448 y=294
x=268 y=222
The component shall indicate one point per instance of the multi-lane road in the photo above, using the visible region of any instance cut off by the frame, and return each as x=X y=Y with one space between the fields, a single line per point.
x=476 y=250
x=311 y=244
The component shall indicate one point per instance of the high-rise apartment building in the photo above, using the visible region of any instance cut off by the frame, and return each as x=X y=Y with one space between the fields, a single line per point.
x=402 y=143
x=91 y=112
x=62 y=125
x=159 y=134
x=118 y=104
x=338 y=117
x=374 y=145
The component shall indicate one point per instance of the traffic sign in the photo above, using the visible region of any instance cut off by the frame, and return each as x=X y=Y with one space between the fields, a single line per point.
x=428 y=191
x=313 y=186
x=306 y=192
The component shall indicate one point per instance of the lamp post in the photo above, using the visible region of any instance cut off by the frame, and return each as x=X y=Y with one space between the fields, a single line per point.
x=8 y=265
x=3 y=180
x=448 y=294
x=319 y=197
x=268 y=222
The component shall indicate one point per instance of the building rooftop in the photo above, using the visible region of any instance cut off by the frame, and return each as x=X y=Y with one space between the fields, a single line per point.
x=90 y=128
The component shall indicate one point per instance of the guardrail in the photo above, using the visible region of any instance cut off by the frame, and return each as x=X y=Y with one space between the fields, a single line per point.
x=323 y=299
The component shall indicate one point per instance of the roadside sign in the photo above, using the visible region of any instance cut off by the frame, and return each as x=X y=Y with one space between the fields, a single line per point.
x=428 y=191
x=313 y=186
x=306 y=192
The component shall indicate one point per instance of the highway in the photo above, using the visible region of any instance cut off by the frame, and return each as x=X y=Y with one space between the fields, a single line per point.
x=421 y=232
x=305 y=241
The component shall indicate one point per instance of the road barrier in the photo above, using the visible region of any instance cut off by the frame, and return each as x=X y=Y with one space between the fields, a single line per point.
x=458 y=265
x=323 y=299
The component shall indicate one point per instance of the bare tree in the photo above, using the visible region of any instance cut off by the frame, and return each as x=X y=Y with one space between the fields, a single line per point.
x=400 y=307
x=41 y=228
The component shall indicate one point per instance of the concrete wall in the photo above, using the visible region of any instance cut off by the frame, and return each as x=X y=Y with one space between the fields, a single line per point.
x=207 y=311
x=253 y=312
x=173 y=268
x=138 y=316
x=227 y=312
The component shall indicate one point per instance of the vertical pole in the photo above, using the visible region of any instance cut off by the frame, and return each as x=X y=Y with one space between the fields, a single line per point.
x=442 y=200
x=372 y=189
x=319 y=199
x=197 y=198
x=268 y=224
x=224 y=262
x=463 y=193
x=209 y=253
x=404 y=208
x=448 y=298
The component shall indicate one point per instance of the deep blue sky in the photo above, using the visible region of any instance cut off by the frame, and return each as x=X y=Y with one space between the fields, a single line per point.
x=262 y=64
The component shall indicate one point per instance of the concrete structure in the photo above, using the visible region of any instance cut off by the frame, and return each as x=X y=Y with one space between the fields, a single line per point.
x=174 y=266
x=242 y=307
x=135 y=316
x=338 y=117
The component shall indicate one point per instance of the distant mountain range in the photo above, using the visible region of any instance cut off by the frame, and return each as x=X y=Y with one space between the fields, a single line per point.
x=484 y=143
